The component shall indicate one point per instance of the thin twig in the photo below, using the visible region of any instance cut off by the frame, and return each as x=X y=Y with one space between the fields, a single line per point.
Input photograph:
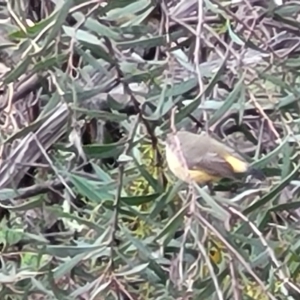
x=197 y=48
x=234 y=281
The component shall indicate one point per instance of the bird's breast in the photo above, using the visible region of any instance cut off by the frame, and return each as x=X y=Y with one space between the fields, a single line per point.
x=175 y=165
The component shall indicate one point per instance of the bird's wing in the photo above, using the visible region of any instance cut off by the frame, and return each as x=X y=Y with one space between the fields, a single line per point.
x=213 y=164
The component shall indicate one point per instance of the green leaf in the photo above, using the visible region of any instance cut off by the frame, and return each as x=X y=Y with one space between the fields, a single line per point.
x=34 y=203
x=139 y=200
x=69 y=251
x=98 y=28
x=18 y=70
x=147 y=43
x=49 y=62
x=101 y=115
x=104 y=151
x=90 y=189
x=33 y=31
x=61 y=16
x=132 y=7
x=233 y=36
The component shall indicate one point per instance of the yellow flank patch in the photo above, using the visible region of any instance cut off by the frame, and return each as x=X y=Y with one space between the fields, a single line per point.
x=237 y=165
x=202 y=177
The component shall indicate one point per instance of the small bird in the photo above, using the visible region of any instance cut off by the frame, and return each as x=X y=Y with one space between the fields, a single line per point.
x=206 y=159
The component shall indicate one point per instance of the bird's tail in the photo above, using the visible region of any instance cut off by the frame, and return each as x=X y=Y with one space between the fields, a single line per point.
x=256 y=173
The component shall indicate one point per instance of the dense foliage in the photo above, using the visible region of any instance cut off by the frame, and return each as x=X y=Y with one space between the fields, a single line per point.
x=89 y=209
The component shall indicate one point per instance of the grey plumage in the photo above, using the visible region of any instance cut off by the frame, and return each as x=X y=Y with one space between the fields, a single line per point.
x=202 y=152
